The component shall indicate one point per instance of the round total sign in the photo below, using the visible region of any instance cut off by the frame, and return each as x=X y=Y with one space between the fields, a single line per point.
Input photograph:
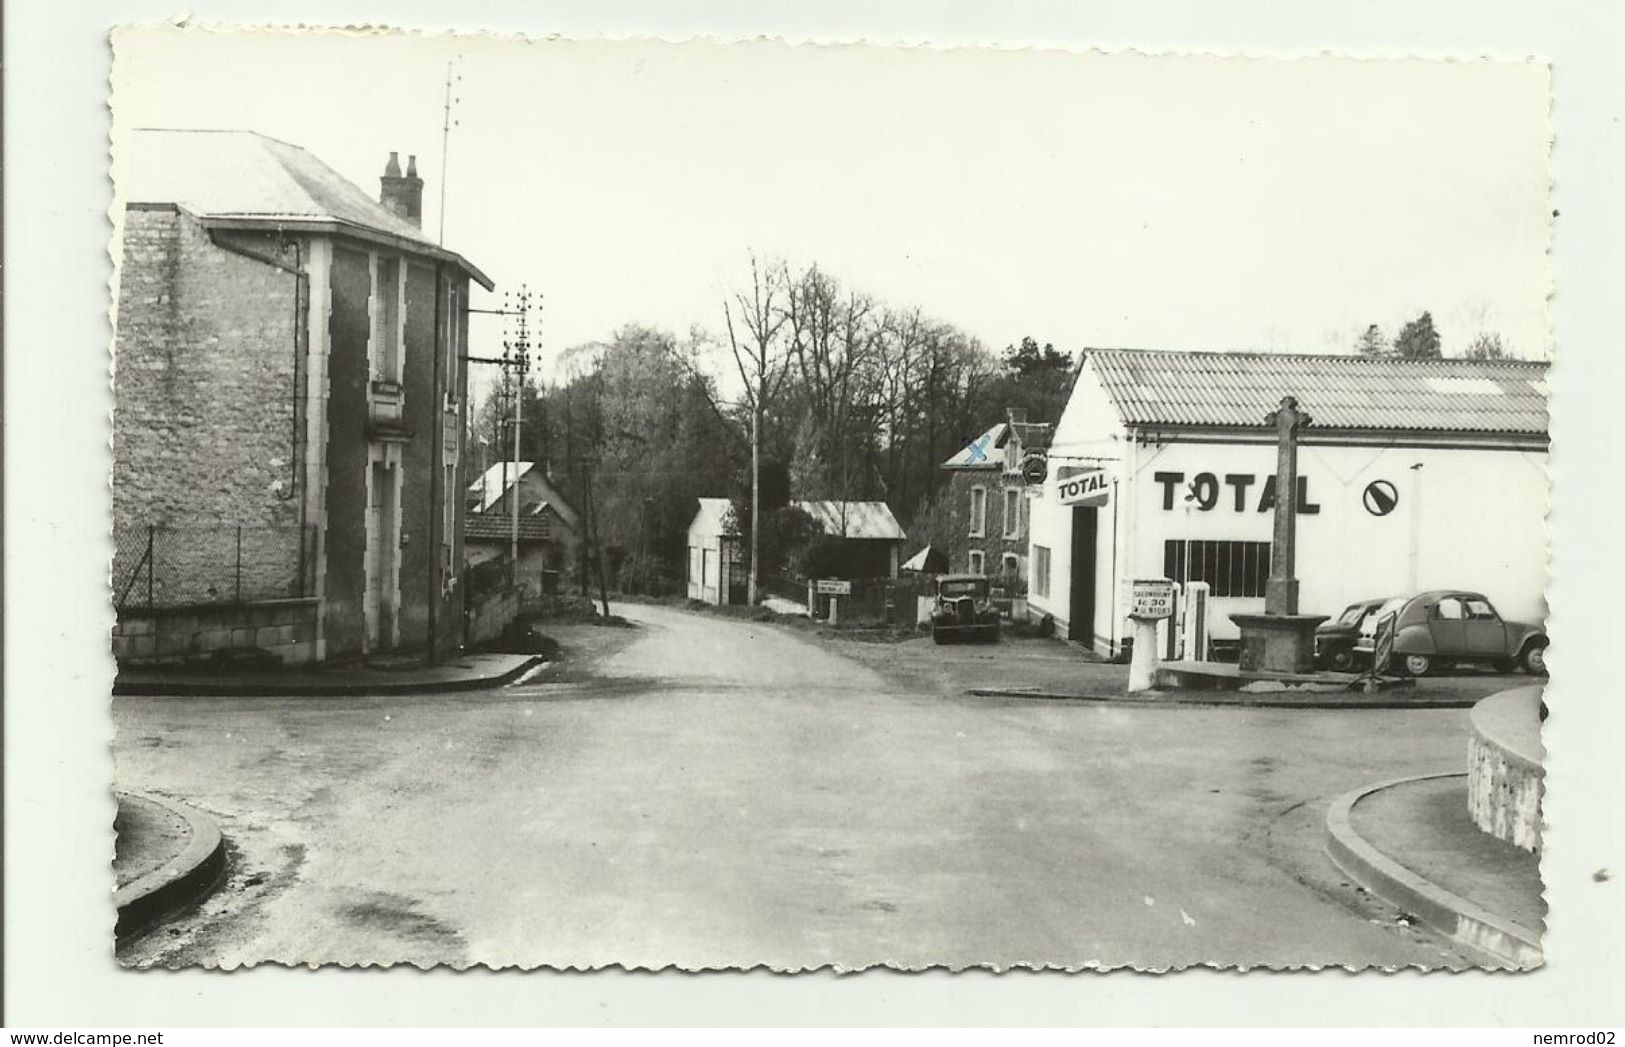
x=1380 y=497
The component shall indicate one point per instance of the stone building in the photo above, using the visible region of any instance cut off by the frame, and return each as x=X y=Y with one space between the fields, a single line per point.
x=984 y=525
x=549 y=526
x=289 y=404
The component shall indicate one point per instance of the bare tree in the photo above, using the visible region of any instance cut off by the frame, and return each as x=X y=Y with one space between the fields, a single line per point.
x=833 y=336
x=762 y=361
x=1488 y=345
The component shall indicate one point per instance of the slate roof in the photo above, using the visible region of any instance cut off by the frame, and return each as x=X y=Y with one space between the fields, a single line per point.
x=487 y=487
x=242 y=178
x=987 y=450
x=984 y=452
x=855 y=519
x=1202 y=389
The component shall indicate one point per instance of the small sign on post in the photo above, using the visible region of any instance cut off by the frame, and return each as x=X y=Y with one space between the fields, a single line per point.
x=1150 y=601
x=834 y=588
x=1382 y=648
x=1152 y=598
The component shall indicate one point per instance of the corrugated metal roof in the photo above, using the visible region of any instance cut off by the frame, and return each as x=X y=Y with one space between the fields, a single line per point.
x=854 y=519
x=247 y=177
x=1174 y=388
x=980 y=453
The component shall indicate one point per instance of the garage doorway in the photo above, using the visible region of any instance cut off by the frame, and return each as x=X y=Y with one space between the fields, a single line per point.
x=1081 y=613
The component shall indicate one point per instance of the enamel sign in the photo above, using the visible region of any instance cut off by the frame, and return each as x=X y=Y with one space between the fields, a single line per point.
x=1152 y=598
x=1089 y=487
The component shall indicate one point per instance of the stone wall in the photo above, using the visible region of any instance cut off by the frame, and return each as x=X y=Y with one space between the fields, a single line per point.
x=205 y=373
x=284 y=628
x=1505 y=773
x=488 y=615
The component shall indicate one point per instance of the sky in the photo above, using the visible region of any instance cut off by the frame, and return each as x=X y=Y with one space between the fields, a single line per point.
x=1085 y=199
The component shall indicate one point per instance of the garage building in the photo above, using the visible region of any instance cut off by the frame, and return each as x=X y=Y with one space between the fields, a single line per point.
x=1413 y=474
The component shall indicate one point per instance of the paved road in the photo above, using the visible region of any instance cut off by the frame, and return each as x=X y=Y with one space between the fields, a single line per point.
x=717 y=792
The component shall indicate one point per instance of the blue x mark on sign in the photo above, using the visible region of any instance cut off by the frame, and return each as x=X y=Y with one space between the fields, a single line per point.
x=977 y=452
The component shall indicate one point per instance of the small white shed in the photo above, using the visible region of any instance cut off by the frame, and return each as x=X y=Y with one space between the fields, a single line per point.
x=713 y=549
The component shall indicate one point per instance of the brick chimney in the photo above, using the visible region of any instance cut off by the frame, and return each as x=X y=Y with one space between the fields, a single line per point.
x=402 y=194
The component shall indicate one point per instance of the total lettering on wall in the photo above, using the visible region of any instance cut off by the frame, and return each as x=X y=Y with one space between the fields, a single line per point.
x=1206 y=491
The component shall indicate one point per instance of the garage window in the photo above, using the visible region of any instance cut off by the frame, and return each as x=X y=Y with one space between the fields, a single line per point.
x=1229 y=568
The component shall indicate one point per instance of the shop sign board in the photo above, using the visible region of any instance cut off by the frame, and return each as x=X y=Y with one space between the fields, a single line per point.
x=833 y=587
x=1152 y=598
x=1087 y=487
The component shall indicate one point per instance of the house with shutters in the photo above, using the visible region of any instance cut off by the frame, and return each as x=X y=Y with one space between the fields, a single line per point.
x=290 y=398
x=982 y=524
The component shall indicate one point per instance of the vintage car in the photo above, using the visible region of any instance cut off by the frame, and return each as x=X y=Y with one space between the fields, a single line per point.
x=1454 y=626
x=1336 y=638
x=964 y=609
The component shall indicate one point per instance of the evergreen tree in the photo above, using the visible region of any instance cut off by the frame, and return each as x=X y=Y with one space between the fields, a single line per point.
x=1372 y=342
x=1418 y=340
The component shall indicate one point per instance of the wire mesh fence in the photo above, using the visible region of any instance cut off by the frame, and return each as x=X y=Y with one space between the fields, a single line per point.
x=168 y=566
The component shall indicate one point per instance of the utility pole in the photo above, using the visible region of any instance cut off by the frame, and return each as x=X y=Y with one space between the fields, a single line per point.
x=515 y=363
x=755 y=495
x=593 y=530
x=516 y=357
x=445 y=146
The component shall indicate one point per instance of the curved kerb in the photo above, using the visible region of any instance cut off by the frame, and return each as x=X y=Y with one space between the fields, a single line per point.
x=1459 y=919
x=179 y=882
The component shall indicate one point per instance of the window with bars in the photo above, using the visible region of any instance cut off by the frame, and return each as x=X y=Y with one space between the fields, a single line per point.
x=1230 y=568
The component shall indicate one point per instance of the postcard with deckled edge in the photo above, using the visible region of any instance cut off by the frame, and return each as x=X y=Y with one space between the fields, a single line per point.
x=717 y=505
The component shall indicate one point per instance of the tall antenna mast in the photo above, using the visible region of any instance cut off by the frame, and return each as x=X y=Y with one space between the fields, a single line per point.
x=445 y=145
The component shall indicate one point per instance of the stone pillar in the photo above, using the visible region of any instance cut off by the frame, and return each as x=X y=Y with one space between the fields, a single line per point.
x=1281 y=640
x=1281 y=590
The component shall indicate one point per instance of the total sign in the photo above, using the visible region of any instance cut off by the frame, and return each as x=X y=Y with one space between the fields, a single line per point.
x=1084 y=487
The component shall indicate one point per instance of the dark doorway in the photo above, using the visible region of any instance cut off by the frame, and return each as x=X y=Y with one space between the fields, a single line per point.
x=1081 y=616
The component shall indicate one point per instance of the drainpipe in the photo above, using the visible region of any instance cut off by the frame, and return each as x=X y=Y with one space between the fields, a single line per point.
x=437 y=465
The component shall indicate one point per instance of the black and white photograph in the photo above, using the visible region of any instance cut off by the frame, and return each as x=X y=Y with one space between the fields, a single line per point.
x=708 y=505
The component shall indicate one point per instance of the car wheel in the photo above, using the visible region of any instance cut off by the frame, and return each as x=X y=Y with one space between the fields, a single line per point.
x=1533 y=659
x=936 y=637
x=1341 y=661
x=1417 y=664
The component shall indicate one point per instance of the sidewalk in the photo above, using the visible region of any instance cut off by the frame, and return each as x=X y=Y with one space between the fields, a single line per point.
x=466 y=673
x=166 y=856
x=1282 y=699
x=1413 y=843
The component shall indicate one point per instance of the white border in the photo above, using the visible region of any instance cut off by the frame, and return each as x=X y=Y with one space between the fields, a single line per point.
x=56 y=760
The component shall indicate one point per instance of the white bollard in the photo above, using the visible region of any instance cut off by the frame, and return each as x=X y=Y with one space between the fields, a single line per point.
x=1143 y=661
